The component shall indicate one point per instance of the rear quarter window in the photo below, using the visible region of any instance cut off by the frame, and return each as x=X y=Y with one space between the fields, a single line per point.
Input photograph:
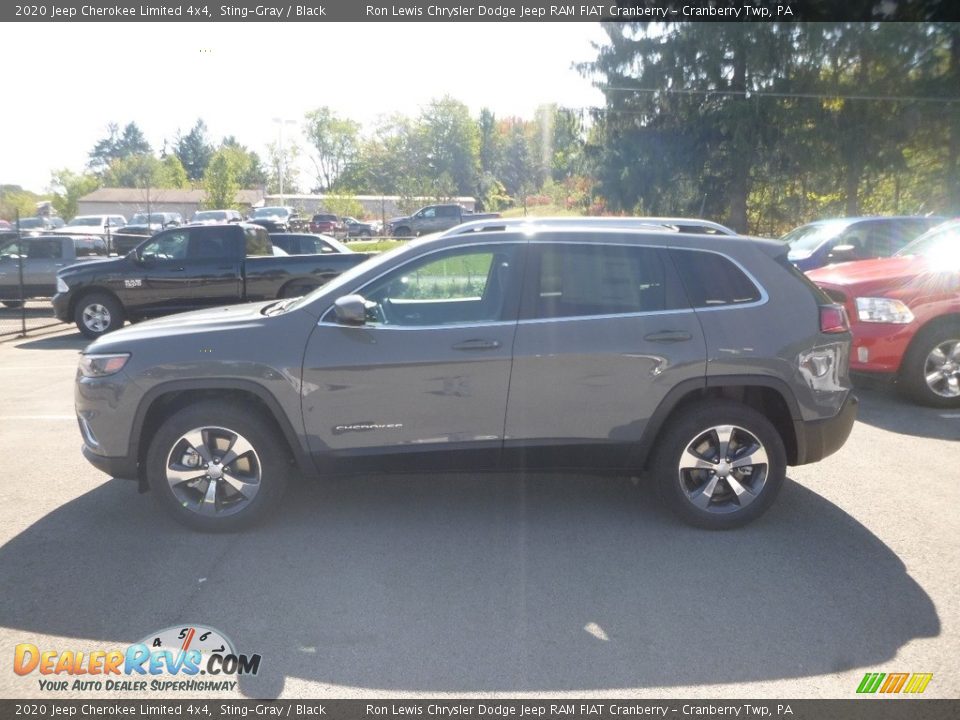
x=712 y=280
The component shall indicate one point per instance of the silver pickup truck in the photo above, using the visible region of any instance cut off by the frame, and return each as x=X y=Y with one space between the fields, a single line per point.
x=434 y=218
x=41 y=258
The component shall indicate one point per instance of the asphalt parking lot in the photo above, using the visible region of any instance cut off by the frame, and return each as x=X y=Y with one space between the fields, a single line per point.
x=517 y=585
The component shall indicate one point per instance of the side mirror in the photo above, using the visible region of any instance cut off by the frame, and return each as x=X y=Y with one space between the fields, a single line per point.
x=350 y=310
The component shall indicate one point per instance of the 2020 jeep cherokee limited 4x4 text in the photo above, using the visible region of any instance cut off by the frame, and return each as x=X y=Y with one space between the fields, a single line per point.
x=710 y=362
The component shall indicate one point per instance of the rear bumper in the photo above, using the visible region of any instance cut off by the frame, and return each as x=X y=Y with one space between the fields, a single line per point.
x=817 y=439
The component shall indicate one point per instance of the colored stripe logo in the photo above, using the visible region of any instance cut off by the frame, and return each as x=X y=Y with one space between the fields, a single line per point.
x=912 y=683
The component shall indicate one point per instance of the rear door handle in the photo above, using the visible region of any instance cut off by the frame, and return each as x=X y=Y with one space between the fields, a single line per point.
x=668 y=336
x=477 y=344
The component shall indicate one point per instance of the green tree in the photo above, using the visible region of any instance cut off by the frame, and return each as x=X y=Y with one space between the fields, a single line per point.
x=117 y=145
x=15 y=200
x=68 y=187
x=220 y=180
x=335 y=142
x=448 y=145
x=194 y=150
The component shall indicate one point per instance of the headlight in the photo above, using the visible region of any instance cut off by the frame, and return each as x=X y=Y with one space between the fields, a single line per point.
x=102 y=365
x=62 y=287
x=883 y=310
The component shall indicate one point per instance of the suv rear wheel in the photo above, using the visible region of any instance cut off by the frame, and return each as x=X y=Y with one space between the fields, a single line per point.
x=720 y=465
x=216 y=467
x=931 y=367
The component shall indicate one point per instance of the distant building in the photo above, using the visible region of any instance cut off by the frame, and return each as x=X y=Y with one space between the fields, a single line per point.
x=128 y=201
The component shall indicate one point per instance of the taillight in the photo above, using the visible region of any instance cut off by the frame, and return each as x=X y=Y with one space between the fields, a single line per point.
x=833 y=319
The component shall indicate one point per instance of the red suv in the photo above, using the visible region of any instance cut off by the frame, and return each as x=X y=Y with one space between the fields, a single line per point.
x=328 y=225
x=905 y=314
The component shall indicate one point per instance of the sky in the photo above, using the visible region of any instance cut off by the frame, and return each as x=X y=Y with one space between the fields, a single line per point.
x=74 y=79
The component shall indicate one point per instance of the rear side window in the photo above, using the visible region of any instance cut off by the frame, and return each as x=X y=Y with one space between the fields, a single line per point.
x=89 y=247
x=712 y=280
x=258 y=241
x=591 y=279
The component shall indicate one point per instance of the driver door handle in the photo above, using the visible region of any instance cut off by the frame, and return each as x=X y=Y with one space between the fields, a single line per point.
x=477 y=344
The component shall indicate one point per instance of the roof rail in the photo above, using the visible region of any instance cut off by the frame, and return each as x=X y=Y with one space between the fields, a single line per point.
x=653 y=224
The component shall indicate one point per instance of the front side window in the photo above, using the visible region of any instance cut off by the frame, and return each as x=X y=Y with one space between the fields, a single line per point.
x=168 y=246
x=45 y=249
x=591 y=279
x=446 y=288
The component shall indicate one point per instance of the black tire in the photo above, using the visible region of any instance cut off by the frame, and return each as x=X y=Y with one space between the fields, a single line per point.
x=261 y=471
x=13 y=303
x=722 y=506
x=921 y=361
x=403 y=231
x=97 y=314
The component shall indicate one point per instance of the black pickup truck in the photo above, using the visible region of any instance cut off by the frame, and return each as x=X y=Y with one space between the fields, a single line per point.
x=188 y=268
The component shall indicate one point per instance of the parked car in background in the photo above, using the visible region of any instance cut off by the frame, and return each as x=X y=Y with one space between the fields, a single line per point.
x=39 y=225
x=307 y=244
x=5 y=226
x=277 y=219
x=328 y=224
x=187 y=268
x=434 y=218
x=855 y=238
x=215 y=217
x=355 y=228
x=712 y=362
x=141 y=224
x=42 y=257
x=93 y=224
x=905 y=315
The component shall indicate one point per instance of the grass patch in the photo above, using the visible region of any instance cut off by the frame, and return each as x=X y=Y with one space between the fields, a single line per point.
x=375 y=246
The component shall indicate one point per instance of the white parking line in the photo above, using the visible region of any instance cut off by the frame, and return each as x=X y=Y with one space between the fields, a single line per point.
x=950 y=415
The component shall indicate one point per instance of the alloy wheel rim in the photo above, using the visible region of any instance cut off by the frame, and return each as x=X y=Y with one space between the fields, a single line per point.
x=96 y=317
x=723 y=469
x=941 y=371
x=213 y=471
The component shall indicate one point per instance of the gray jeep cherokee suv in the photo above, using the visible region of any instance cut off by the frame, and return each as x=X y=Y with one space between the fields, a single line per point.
x=708 y=361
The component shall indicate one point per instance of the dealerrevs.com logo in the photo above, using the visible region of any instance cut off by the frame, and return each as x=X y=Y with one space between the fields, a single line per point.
x=891 y=683
x=191 y=658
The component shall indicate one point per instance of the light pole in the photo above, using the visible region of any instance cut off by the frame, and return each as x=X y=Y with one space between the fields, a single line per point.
x=282 y=165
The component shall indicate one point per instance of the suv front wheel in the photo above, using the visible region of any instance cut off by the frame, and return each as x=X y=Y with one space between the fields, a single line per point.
x=216 y=467
x=720 y=465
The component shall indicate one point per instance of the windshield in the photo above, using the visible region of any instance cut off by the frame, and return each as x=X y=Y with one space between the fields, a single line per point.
x=142 y=218
x=210 y=215
x=942 y=244
x=807 y=238
x=29 y=223
x=270 y=212
x=87 y=221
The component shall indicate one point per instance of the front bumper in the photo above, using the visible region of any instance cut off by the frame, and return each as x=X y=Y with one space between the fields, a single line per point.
x=61 y=307
x=817 y=439
x=116 y=467
x=879 y=347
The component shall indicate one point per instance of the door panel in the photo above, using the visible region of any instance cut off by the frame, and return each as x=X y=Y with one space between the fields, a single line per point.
x=604 y=335
x=406 y=383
